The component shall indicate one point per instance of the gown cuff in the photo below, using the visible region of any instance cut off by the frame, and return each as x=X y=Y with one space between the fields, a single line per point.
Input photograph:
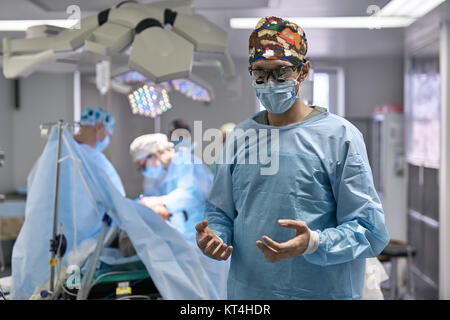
x=313 y=243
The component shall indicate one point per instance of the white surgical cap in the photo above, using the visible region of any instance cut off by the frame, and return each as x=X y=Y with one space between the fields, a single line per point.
x=148 y=144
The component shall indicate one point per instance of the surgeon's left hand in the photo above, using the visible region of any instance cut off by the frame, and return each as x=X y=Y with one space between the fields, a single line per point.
x=274 y=251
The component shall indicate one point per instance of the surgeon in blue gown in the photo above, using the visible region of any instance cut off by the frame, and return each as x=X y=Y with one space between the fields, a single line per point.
x=300 y=222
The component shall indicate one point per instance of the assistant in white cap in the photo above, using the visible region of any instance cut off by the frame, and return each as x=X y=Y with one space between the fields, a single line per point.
x=148 y=144
x=175 y=185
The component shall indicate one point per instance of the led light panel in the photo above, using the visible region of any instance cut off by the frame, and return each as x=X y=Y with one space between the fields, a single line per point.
x=131 y=77
x=149 y=101
x=191 y=90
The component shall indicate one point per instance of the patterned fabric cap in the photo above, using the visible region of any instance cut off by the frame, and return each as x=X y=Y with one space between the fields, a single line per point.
x=276 y=38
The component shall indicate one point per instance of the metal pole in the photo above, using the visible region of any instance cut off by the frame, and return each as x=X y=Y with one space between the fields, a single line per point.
x=55 y=208
x=444 y=170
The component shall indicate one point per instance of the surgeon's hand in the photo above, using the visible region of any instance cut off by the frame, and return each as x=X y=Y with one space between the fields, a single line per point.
x=151 y=201
x=162 y=211
x=274 y=251
x=211 y=244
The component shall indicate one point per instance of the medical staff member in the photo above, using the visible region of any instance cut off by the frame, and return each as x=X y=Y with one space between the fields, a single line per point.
x=96 y=128
x=305 y=231
x=176 y=184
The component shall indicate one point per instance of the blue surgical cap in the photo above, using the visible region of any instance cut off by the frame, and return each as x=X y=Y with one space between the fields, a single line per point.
x=109 y=123
x=90 y=116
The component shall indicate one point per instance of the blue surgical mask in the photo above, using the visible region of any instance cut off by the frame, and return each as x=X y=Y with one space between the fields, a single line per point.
x=153 y=173
x=276 y=97
x=102 y=144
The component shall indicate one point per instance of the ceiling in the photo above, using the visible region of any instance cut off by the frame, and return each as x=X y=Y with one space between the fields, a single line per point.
x=323 y=43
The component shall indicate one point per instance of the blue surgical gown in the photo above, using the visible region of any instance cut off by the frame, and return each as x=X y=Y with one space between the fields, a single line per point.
x=324 y=179
x=103 y=162
x=185 y=184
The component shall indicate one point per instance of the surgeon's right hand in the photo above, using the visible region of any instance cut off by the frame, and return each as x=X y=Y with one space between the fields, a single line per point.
x=211 y=244
x=162 y=211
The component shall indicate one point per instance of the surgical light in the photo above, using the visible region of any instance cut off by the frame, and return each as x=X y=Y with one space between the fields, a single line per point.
x=150 y=100
x=191 y=90
x=131 y=77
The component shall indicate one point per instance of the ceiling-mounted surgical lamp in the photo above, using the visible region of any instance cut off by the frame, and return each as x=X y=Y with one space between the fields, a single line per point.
x=162 y=38
x=151 y=99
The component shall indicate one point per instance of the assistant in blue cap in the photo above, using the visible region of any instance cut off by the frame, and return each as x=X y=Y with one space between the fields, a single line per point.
x=108 y=121
x=96 y=127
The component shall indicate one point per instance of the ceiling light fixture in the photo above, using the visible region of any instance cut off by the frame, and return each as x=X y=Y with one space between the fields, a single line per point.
x=395 y=14
x=332 y=22
x=23 y=25
x=408 y=8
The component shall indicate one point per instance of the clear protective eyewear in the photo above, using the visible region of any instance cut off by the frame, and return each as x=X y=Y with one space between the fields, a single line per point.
x=280 y=74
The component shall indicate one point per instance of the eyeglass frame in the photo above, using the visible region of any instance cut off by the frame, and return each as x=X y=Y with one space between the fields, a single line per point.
x=272 y=72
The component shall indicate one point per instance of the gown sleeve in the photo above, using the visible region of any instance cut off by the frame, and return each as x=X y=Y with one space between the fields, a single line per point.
x=361 y=231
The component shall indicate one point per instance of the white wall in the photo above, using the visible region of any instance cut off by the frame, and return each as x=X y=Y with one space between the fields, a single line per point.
x=368 y=82
x=43 y=98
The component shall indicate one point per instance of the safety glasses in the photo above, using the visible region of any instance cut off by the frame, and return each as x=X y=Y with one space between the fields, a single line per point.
x=280 y=74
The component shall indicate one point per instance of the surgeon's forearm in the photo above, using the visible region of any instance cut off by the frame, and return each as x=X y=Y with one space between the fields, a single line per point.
x=348 y=242
x=219 y=222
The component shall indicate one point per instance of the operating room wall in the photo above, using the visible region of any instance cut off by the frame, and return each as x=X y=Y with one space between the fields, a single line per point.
x=6 y=111
x=368 y=82
x=44 y=97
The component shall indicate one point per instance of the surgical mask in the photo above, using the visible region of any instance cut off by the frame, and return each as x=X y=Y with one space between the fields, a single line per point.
x=102 y=144
x=276 y=97
x=153 y=173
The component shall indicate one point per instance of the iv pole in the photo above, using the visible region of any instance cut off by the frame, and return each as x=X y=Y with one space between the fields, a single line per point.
x=53 y=261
